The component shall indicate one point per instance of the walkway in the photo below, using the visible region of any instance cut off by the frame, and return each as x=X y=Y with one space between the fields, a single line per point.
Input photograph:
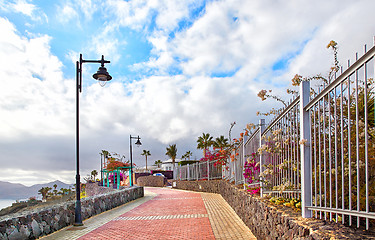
x=163 y=214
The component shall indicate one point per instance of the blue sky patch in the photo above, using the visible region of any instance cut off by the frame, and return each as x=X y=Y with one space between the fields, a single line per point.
x=224 y=74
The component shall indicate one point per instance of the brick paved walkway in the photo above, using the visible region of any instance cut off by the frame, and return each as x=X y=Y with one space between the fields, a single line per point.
x=164 y=214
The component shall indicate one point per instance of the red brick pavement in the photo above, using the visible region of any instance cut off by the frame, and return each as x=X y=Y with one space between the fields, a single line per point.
x=178 y=208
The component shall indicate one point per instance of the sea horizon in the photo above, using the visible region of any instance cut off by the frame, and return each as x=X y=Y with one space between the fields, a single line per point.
x=6 y=203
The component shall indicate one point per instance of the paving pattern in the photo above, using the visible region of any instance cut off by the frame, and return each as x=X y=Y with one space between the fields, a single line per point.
x=164 y=214
x=224 y=221
x=72 y=232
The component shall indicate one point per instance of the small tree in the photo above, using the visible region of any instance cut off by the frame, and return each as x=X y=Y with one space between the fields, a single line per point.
x=158 y=163
x=146 y=153
x=221 y=142
x=172 y=153
x=204 y=142
x=94 y=173
x=64 y=191
x=55 y=190
x=187 y=155
x=44 y=191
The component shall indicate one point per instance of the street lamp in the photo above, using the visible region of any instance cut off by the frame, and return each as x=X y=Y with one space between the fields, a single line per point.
x=138 y=143
x=102 y=76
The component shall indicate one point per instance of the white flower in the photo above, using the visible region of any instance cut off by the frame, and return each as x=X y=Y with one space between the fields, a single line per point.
x=277 y=132
x=303 y=141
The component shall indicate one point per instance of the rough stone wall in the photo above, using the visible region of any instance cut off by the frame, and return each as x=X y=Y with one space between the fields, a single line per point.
x=151 y=181
x=33 y=224
x=93 y=189
x=267 y=221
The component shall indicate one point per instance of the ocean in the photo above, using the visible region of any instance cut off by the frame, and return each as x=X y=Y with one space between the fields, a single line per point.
x=6 y=203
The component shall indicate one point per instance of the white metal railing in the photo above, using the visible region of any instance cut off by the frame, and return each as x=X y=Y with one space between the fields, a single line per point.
x=199 y=171
x=319 y=148
x=342 y=146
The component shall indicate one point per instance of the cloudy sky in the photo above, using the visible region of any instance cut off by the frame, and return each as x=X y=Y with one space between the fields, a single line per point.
x=179 y=68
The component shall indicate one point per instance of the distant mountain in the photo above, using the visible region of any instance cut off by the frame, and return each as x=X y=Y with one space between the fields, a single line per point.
x=18 y=191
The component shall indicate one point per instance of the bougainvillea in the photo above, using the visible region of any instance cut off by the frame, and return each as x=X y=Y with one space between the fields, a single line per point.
x=251 y=168
x=253 y=190
x=113 y=164
x=113 y=177
x=251 y=171
x=220 y=157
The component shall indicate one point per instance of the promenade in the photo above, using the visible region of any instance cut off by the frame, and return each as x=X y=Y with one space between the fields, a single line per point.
x=163 y=213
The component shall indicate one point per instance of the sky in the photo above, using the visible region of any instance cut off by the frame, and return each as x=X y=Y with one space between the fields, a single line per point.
x=179 y=68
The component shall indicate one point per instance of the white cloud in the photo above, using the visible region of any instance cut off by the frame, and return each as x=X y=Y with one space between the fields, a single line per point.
x=34 y=99
x=243 y=37
x=26 y=8
x=79 y=12
x=67 y=13
x=105 y=43
x=88 y=7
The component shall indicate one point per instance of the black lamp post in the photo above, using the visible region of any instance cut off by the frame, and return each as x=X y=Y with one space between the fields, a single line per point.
x=103 y=76
x=138 y=143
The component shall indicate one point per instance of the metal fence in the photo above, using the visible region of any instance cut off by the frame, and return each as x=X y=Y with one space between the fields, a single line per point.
x=342 y=140
x=199 y=171
x=281 y=153
x=320 y=148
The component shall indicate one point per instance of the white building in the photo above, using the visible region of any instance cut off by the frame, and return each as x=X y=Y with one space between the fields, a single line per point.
x=149 y=168
x=168 y=166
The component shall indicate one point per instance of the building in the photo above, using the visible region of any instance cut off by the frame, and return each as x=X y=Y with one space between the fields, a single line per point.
x=168 y=166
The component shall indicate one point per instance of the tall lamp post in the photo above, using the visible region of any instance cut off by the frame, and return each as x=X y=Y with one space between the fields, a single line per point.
x=138 y=143
x=102 y=76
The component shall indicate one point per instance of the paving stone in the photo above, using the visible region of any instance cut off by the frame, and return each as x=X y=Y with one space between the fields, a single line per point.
x=164 y=213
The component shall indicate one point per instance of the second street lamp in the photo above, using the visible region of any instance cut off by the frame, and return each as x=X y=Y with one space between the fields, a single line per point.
x=138 y=143
x=102 y=76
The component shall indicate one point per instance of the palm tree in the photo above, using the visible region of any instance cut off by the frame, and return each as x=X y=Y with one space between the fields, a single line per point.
x=204 y=142
x=43 y=191
x=48 y=191
x=146 y=153
x=93 y=174
x=55 y=190
x=158 y=163
x=106 y=154
x=221 y=142
x=187 y=155
x=64 y=191
x=172 y=153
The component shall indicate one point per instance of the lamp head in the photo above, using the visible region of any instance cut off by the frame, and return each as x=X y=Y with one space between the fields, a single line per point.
x=138 y=142
x=102 y=75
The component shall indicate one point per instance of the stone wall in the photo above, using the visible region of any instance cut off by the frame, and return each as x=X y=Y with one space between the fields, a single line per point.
x=93 y=189
x=151 y=181
x=268 y=221
x=43 y=221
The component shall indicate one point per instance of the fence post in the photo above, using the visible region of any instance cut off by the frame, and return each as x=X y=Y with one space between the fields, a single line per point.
x=223 y=172
x=188 y=172
x=262 y=123
x=305 y=128
x=197 y=165
x=175 y=173
x=208 y=170
x=243 y=158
